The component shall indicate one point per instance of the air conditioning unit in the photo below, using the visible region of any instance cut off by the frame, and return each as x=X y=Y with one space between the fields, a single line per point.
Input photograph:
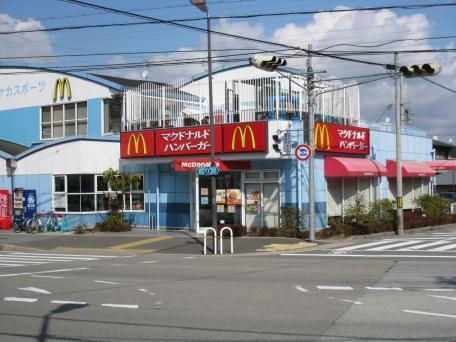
x=11 y=163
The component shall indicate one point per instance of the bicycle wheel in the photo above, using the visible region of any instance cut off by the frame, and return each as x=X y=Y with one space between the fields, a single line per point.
x=16 y=227
x=29 y=226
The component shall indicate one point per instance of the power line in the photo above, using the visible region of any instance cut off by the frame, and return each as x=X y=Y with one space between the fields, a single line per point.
x=242 y=16
x=438 y=84
x=194 y=28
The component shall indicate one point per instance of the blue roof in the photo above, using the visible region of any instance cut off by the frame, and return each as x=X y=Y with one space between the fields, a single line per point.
x=80 y=75
x=47 y=144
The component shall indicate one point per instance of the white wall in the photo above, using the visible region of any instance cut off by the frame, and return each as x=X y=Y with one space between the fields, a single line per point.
x=80 y=156
x=22 y=88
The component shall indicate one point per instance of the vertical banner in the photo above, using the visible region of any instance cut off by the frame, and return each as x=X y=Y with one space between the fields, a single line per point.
x=5 y=218
x=29 y=203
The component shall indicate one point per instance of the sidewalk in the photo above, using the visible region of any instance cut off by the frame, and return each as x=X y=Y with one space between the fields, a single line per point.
x=140 y=241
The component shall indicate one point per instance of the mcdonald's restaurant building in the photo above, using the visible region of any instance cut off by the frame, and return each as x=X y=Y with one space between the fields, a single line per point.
x=59 y=132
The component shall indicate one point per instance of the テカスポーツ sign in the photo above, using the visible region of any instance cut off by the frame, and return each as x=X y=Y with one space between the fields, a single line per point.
x=228 y=138
x=341 y=139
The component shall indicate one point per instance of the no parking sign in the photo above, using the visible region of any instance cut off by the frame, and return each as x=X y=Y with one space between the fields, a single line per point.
x=303 y=152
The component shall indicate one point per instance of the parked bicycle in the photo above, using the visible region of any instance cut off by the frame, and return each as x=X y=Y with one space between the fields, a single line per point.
x=51 y=222
x=35 y=224
x=20 y=224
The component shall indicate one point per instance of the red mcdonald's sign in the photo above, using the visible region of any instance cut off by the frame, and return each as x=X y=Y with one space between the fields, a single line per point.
x=341 y=139
x=5 y=217
x=244 y=137
x=137 y=144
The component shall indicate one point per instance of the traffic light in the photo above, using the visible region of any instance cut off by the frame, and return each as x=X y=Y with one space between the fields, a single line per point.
x=276 y=143
x=267 y=63
x=420 y=70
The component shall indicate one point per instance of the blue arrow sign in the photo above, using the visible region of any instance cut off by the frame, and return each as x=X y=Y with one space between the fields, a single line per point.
x=207 y=171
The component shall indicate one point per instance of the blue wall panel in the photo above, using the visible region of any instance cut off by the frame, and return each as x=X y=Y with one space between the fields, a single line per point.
x=23 y=125
x=94 y=109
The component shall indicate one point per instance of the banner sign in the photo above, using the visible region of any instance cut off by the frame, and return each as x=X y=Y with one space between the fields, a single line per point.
x=193 y=164
x=187 y=140
x=5 y=218
x=244 y=137
x=341 y=139
x=137 y=144
x=29 y=203
x=229 y=138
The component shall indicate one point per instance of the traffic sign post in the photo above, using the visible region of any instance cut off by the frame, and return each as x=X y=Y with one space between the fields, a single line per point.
x=207 y=171
x=303 y=152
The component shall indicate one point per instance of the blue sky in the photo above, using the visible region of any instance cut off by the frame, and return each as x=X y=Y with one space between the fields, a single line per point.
x=433 y=106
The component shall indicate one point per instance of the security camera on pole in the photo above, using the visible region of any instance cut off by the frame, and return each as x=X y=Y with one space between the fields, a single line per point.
x=271 y=63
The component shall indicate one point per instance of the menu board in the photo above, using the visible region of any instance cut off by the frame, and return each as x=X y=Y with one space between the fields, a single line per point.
x=220 y=196
x=233 y=196
x=204 y=192
x=205 y=200
x=220 y=208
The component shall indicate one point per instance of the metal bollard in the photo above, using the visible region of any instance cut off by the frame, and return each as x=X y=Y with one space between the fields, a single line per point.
x=221 y=239
x=215 y=240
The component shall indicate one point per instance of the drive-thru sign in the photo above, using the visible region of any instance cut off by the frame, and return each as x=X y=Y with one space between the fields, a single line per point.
x=303 y=152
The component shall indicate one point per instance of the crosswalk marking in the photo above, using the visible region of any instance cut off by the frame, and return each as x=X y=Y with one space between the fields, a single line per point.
x=426 y=245
x=444 y=248
x=400 y=244
x=21 y=259
x=363 y=245
x=442 y=244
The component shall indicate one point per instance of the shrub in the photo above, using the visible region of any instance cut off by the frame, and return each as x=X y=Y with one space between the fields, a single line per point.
x=264 y=231
x=79 y=230
x=434 y=206
x=238 y=229
x=291 y=223
x=114 y=222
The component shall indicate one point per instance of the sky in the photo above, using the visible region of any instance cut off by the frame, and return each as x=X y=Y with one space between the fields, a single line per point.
x=433 y=107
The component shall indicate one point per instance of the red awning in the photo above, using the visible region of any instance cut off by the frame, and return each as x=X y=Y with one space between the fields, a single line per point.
x=410 y=168
x=442 y=165
x=353 y=167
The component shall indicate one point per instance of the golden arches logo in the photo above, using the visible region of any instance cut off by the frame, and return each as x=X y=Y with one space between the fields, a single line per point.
x=322 y=133
x=136 y=139
x=59 y=88
x=242 y=133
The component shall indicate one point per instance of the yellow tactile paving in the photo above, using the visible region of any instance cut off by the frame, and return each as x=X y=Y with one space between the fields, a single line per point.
x=140 y=242
x=285 y=246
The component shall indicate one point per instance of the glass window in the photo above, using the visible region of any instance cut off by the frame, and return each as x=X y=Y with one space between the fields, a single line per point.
x=74 y=203
x=46 y=114
x=88 y=202
x=59 y=184
x=69 y=111
x=112 y=112
x=74 y=185
x=57 y=113
x=271 y=175
x=62 y=121
x=102 y=202
x=87 y=183
x=102 y=185
x=82 y=110
x=59 y=202
x=252 y=175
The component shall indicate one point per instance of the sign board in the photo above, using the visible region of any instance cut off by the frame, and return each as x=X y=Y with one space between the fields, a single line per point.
x=29 y=202
x=303 y=152
x=223 y=165
x=341 y=139
x=5 y=218
x=207 y=171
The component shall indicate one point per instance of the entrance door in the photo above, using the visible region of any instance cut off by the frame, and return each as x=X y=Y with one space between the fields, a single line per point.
x=271 y=205
x=262 y=205
x=253 y=205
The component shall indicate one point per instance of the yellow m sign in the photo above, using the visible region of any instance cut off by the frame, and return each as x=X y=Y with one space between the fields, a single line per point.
x=242 y=134
x=59 y=88
x=135 y=139
x=322 y=133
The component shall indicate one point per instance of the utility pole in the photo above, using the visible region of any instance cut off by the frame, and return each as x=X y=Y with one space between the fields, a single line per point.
x=310 y=106
x=399 y=204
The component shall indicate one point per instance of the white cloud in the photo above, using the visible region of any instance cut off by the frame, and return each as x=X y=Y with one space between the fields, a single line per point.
x=24 y=44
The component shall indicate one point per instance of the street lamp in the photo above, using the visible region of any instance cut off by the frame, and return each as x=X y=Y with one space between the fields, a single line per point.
x=201 y=4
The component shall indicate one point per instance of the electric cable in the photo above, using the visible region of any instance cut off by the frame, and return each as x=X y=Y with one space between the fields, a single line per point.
x=438 y=84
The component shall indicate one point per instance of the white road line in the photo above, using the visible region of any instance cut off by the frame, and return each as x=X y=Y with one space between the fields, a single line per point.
x=67 y=302
x=126 y=306
x=414 y=248
x=429 y=313
x=300 y=288
x=364 y=245
x=370 y=255
x=351 y=301
x=66 y=255
x=443 y=297
x=148 y=262
x=30 y=260
x=143 y=290
x=40 y=276
x=189 y=257
x=394 y=245
x=16 y=299
x=444 y=248
x=34 y=289
x=384 y=288
x=12 y=265
x=40 y=272
x=105 y=282
x=343 y=288
x=39 y=257
x=115 y=265
x=440 y=290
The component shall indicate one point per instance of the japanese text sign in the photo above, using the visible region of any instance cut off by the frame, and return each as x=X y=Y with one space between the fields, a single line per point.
x=341 y=139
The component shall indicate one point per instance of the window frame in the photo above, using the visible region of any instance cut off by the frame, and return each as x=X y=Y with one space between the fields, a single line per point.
x=75 y=120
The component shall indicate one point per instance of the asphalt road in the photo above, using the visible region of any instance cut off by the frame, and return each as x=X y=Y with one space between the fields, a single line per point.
x=205 y=298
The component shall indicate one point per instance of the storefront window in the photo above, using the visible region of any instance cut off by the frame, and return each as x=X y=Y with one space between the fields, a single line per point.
x=61 y=120
x=91 y=193
x=112 y=115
